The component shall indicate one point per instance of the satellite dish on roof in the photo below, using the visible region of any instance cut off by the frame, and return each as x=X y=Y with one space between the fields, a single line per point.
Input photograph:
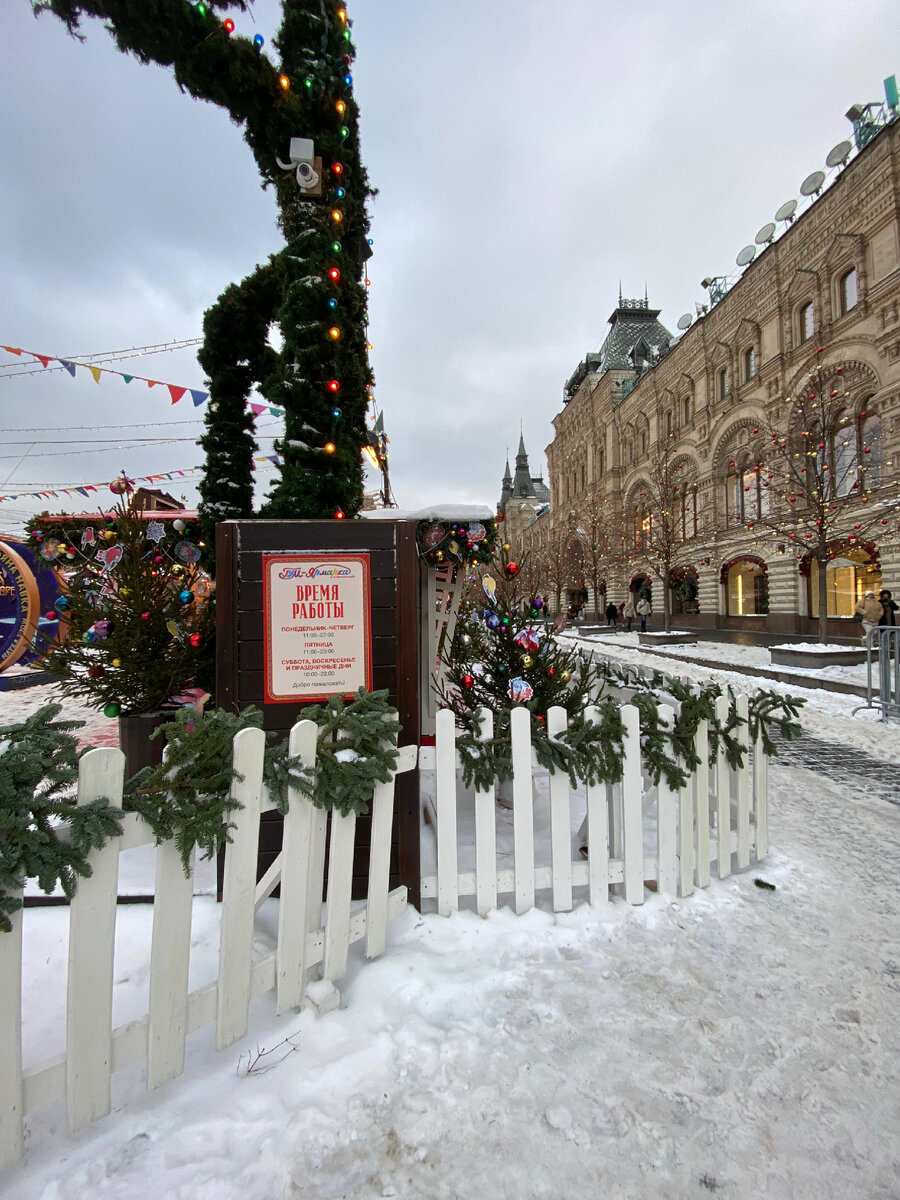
x=787 y=210
x=812 y=184
x=839 y=155
x=746 y=255
x=766 y=234
x=685 y=322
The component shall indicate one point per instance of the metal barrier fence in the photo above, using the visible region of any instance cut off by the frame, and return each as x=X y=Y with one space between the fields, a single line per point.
x=883 y=649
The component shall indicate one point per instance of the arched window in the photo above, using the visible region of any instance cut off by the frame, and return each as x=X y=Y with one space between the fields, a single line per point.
x=687 y=409
x=847 y=291
x=746 y=588
x=643 y=441
x=805 y=321
x=641 y=525
x=689 y=512
x=724 y=387
x=841 y=455
x=744 y=497
x=870 y=452
x=670 y=423
x=749 y=363
x=848 y=575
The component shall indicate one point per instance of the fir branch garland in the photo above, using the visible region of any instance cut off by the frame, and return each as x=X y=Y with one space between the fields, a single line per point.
x=38 y=774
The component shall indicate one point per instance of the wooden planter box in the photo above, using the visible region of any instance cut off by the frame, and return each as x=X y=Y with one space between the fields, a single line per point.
x=679 y=638
x=814 y=658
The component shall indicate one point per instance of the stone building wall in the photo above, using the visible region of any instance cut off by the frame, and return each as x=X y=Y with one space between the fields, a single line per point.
x=606 y=440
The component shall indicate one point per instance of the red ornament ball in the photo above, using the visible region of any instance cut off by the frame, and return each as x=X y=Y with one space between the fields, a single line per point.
x=468 y=681
x=512 y=568
x=196 y=639
x=51 y=615
x=94 y=672
x=145 y=616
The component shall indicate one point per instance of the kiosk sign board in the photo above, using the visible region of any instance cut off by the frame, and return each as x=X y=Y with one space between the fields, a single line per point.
x=317 y=632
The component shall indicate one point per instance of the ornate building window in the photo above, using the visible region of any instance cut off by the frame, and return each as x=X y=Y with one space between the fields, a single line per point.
x=847 y=291
x=749 y=364
x=746 y=587
x=687 y=410
x=688 y=512
x=870 y=451
x=724 y=385
x=805 y=321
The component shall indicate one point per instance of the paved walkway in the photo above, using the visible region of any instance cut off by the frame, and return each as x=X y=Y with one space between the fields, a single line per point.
x=858 y=771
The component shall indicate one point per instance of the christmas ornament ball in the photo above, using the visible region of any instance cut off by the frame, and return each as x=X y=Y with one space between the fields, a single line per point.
x=185 y=597
x=179 y=525
x=51 y=615
x=95 y=672
x=62 y=603
x=196 y=640
x=112 y=710
x=566 y=676
x=527 y=660
x=507 y=547
x=145 y=616
x=512 y=568
x=110 y=535
x=468 y=681
x=117 y=662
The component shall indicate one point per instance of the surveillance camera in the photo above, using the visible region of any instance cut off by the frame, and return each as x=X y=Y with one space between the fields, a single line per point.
x=306 y=176
x=704 y=283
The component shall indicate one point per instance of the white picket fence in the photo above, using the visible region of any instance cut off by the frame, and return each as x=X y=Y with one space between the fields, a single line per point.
x=306 y=945
x=720 y=816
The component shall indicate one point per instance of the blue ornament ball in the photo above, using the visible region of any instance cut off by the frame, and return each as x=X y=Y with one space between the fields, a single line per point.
x=185 y=597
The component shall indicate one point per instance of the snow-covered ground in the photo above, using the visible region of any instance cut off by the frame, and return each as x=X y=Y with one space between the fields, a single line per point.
x=741 y=1042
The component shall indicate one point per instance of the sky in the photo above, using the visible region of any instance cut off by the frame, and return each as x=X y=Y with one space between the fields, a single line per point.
x=739 y=1042
x=530 y=157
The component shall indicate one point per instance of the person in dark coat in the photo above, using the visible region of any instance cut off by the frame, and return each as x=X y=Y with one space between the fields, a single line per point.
x=888 y=608
x=612 y=615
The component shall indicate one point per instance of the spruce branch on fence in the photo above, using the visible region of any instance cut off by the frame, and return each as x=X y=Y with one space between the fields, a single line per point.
x=43 y=834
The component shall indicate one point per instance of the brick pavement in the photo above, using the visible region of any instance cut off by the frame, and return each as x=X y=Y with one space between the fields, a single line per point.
x=859 y=771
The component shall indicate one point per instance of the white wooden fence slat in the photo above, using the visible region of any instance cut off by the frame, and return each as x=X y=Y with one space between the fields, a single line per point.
x=597 y=833
x=523 y=808
x=686 y=837
x=666 y=826
x=632 y=807
x=293 y=915
x=239 y=890
x=445 y=799
x=170 y=958
x=12 y=1101
x=723 y=797
x=743 y=786
x=701 y=802
x=380 y=855
x=485 y=832
x=560 y=822
x=92 y=943
x=340 y=886
x=761 y=799
x=270 y=880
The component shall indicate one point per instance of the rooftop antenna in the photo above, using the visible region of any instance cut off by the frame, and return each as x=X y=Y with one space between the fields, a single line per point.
x=646 y=301
x=620 y=293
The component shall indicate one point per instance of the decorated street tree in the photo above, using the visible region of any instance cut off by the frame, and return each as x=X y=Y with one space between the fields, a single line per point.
x=661 y=521
x=136 y=612
x=598 y=527
x=819 y=479
x=300 y=120
x=503 y=654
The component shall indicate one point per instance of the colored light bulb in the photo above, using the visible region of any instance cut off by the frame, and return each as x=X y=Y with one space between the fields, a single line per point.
x=340 y=193
x=284 y=82
x=228 y=25
x=335 y=412
x=337 y=168
x=332 y=303
x=336 y=247
x=337 y=215
x=201 y=9
x=341 y=107
x=333 y=385
x=259 y=40
x=348 y=79
x=342 y=14
x=345 y=132
x=329 y=447
x=307 y=82
x=334 y=275
x=334 y=333
x=339 y=516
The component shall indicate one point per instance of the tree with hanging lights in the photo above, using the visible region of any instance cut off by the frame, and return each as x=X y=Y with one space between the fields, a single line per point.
x=820 y=482
x=663 y=524
x=598 y=528
x=313 y=290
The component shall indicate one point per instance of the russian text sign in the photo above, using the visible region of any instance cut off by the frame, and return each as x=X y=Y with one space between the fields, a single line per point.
x=317 y=632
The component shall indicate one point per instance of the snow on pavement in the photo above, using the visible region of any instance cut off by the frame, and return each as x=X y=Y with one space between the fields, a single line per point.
x=740 y=1042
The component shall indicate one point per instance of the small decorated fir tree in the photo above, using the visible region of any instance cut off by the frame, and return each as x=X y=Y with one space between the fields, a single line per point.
x=503 y=654
x=137 y=615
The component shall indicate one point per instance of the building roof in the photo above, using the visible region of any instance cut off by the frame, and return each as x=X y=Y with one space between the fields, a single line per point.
x=523 y=485
x=637 y=338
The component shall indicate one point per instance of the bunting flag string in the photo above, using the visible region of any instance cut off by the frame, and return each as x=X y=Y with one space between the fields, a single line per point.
x=176 y=391
x=84 y=489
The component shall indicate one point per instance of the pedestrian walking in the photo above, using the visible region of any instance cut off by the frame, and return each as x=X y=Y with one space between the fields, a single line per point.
x=868 y=610
x=628 y=613
x=612 y=615
x=888 y=608
x=644 y=611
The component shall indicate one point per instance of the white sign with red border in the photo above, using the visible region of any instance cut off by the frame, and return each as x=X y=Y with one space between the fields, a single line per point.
x=318 y=630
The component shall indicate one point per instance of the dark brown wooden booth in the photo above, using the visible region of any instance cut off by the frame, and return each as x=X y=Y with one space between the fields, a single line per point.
x=394 y=577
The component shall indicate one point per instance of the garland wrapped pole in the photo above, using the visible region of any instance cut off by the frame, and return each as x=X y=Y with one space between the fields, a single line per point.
x=300 y=121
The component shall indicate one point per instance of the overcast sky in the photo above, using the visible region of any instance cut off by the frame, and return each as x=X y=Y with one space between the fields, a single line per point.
x=528 y=154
